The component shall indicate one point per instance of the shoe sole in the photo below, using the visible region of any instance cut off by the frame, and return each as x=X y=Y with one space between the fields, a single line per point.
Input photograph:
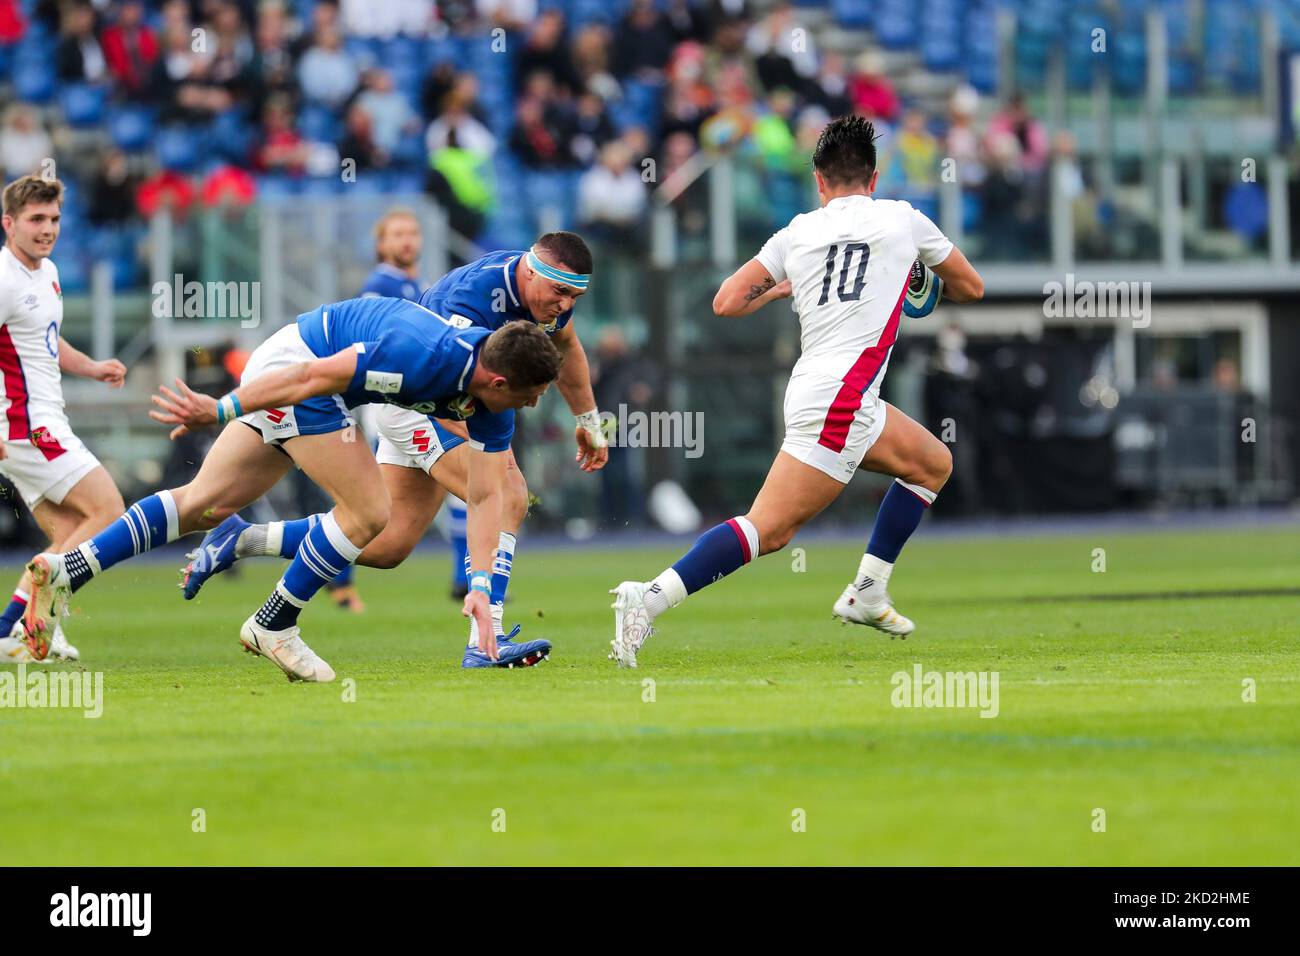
x=837 y=616
x=36 y=629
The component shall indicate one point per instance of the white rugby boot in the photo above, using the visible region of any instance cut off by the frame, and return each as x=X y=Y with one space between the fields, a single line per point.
x=51 y=592
x=13 y=650
x=286 y=650
x=872 y=606
x=60 y=649
x=631 y=622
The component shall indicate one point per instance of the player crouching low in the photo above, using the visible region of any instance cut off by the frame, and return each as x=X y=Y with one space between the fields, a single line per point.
x=852 y=267
x=292 y=407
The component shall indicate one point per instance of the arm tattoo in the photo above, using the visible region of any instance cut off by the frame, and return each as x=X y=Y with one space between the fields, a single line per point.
x=756 y=290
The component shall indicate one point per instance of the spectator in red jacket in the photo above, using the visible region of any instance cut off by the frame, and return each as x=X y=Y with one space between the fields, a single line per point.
x=12 y=22
x=165 y=189
x=229 y=187
x=870 y=89
x=130 y=48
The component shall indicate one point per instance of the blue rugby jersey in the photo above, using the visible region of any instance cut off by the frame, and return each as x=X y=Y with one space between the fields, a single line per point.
x=409 y=356
x=485 y=292
x=388 y=280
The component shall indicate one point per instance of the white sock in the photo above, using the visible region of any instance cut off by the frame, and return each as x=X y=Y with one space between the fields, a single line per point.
x=873 y=570
x=260 y=540
x=498 y=628
x=666 y=591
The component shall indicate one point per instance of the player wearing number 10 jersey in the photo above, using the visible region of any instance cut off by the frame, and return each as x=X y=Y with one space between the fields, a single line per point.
x=852 y=267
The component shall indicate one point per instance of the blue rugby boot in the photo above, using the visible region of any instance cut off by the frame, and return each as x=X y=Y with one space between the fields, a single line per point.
x=215 y=554
x=509 y=654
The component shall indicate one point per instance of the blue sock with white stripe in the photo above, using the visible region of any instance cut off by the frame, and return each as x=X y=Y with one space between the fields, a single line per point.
x=501 y=565
x=147 y=524
x=324 y=552
x=459 y=544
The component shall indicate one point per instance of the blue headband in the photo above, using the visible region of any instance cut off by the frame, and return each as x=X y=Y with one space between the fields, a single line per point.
x=575 y=279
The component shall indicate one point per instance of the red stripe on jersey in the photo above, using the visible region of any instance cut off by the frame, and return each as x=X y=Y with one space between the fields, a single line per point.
x=15 y=387
x=46 y=443
x=835 y=430
x=744 y=541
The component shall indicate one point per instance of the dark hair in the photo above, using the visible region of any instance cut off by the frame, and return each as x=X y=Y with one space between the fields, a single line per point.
x=846 y=151
x=567 y=249
x=523 y=353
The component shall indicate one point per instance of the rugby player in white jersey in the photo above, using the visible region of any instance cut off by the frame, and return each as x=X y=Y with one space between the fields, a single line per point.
x=851 y=267
x=69 y=492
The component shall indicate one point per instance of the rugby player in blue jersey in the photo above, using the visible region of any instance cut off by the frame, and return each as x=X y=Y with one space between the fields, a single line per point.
x=293 y=408
x=420 y=455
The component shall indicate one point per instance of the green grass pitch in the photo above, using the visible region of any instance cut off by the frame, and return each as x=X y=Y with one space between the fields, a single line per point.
x=1120 y=691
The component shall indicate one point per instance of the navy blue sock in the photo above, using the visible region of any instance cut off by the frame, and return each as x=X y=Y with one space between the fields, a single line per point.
x=13 y=612
x=900 y=512
x=719 y=551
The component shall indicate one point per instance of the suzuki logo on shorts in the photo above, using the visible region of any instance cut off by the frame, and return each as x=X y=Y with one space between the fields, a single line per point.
x=276 y=415
x=421 y=440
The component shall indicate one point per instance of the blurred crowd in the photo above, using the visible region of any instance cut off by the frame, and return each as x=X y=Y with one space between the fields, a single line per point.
x=470 y=98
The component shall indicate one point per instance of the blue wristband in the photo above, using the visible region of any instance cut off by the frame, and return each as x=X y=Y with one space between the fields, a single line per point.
x=481 y=581
x=228 y=408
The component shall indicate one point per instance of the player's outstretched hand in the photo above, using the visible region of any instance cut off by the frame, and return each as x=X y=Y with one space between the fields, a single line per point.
x=184 y=408
x=590 y=456
x=476 y=606
x=111 y=372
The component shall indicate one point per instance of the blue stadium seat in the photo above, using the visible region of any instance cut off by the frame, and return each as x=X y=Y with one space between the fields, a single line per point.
x=180 y=147
x=319 y=124
x=33 y=81
x=439 y=50
x=74 y=269
x=274 y=186
x=582 y=12
x=323 y=186
x=407 y=182
x=411 y=151
x=131 y=127
x=852 y=14
x=896 y=24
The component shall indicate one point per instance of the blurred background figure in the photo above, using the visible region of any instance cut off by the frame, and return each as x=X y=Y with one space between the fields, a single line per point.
x=612 y=199
x=623 y=381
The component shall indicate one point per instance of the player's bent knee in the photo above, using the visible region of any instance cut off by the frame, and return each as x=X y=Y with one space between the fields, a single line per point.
x=940 y=465
x=771 y=539
x=517 y=500
x=384 y=554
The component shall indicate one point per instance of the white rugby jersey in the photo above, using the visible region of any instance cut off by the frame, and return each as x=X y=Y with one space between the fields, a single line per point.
x=848 y=264
x=31 y=315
